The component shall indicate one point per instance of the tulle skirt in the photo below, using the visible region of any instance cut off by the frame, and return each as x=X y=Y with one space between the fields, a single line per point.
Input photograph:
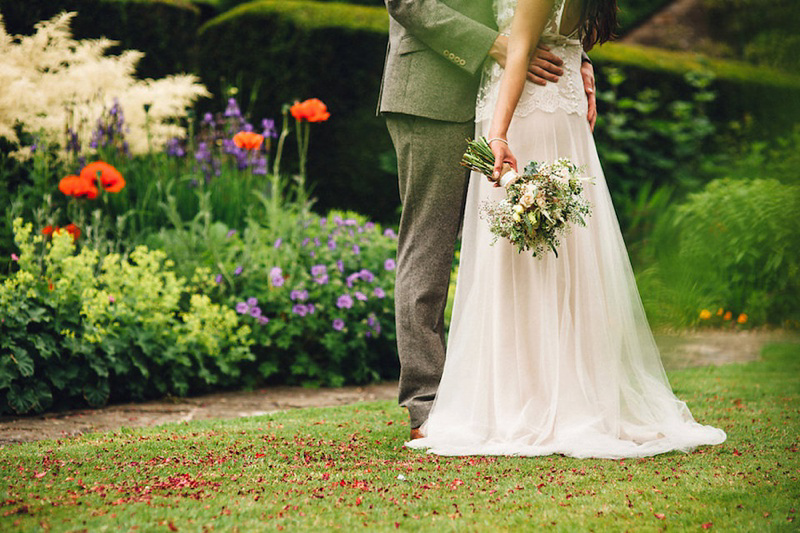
x=553 y=356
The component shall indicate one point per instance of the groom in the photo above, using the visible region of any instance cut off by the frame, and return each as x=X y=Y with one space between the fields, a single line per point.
x=430 y=83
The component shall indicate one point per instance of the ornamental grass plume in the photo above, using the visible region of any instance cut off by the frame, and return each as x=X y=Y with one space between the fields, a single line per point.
x=52 y=82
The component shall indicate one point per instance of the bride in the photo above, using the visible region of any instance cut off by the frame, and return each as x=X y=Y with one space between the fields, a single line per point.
x=553 y=355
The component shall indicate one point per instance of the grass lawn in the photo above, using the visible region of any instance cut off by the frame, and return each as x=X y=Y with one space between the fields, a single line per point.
x=345 y=468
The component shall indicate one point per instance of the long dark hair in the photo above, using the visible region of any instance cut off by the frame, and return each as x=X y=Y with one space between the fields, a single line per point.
x=600 y=22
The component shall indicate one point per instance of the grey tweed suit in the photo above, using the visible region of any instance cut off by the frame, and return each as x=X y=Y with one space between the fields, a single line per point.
x=430 y=83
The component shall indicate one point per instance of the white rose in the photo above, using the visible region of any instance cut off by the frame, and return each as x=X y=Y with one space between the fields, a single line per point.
x=527 y=200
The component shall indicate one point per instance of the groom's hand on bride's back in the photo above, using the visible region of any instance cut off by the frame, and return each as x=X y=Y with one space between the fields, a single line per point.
x=545 y=65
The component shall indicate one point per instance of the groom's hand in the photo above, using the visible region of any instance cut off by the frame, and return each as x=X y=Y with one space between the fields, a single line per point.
x=545 y=66
x=587 y=73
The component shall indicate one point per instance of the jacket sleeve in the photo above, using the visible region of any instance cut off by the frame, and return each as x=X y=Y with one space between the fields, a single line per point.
x=456 y=37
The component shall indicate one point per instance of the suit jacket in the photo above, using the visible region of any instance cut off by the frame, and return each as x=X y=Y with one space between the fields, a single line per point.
x=433 y=62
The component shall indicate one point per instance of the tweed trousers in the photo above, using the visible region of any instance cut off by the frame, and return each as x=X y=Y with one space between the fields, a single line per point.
x=433 y=188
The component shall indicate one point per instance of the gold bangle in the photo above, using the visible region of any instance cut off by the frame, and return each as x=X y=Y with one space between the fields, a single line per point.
x=490 y=141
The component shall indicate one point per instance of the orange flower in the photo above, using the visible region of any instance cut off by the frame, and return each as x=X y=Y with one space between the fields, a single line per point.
x=705 y=314
x=742 y=318
x=720 y=311
x=312 y=110
x=248 y=140
x=73 y=230
x=109 y=177
x=78 y=187
x=728 y=316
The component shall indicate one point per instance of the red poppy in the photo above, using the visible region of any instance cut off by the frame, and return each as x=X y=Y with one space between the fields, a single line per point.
x=78 y=187
x=248 y=140
x=73 y=230
x=109 y=177
x=48 y=230
x=312 y=110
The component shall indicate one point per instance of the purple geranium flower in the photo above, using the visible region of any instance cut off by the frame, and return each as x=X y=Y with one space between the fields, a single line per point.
x=331 y=244
x=389 y=264
x=338 y=324
x=369 y=226
x=323 y=222
x=300 y=309
x=278 y=242
x=263 y=320
x=297 y=294
x=340 y=265
x=231 y=233
x=255 y=312
x=252 y=301
x=305 y=242
x=238 y=270
x=311 y=308
x=322 y=280
x=379 y=293
x=345 y=301
x=366 y=275
x=389 y=232
x=242 y=308
x=356 y=249
x=360 y=296
x=319 y=270
x=276 y=276
x=219 y=278
x=351 y=279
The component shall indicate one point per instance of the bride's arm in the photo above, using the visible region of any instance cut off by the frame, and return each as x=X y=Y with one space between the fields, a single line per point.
x=529 y=21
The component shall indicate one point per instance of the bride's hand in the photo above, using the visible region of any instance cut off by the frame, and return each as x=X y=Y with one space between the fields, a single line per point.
x=502 y=156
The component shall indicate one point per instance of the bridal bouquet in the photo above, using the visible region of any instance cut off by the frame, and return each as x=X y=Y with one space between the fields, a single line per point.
x=541 y=204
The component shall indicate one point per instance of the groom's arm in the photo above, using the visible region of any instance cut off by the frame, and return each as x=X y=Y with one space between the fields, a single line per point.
x=459 y=39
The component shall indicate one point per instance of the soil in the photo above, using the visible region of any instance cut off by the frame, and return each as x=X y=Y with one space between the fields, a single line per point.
x=678 y=351
x=680 y=25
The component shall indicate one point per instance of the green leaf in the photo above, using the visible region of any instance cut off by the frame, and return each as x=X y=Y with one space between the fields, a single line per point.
x=97 y=395
x=23 y=361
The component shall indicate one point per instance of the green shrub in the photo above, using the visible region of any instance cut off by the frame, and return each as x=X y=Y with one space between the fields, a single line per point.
x=297 y=275
x=82 y=329
x=765 y=99
x=762 y=31
x=633 y=12
x=734 y=246
x=163 y=29
x=288 y=50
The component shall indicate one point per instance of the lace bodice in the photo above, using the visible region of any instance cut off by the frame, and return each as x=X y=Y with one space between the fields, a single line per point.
x=567 y=95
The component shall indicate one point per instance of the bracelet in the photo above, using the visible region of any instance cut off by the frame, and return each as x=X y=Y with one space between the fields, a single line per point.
x=490 y=141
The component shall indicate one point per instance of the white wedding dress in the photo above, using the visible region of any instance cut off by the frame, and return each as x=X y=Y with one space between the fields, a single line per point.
x=552 y=356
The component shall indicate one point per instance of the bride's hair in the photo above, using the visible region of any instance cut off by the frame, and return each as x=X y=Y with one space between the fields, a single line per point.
x=600 y=24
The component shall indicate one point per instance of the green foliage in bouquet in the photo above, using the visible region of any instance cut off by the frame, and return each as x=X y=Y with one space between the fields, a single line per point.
x=735 y=245
x=82 y=329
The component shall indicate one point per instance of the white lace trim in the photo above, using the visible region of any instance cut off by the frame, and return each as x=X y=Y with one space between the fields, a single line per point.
x=567 y=95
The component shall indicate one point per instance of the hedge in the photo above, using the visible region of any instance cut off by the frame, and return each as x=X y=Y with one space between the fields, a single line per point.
x=163 y=29
x=291 y=50
x=768 y=98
